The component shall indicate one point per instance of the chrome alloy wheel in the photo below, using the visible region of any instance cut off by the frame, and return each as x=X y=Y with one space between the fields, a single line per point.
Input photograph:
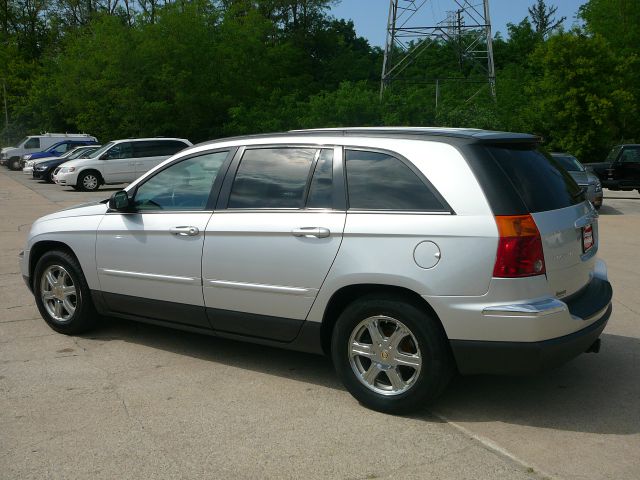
x=58 y=292
x=90 y=182
x=384 y=355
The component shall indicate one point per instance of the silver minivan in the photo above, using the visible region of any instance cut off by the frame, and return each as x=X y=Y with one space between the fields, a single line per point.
x=405 y=254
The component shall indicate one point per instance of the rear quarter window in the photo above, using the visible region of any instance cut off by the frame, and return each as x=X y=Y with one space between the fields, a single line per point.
x=378 y=181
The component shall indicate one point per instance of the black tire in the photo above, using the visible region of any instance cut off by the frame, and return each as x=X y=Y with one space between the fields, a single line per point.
x=14 y=163
x=48 y=177
x=84 y=184
x=437 y=365
x=85 y=316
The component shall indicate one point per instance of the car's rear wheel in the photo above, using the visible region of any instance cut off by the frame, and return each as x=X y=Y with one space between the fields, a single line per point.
x=390 y=353
x=62 y=294
x=88 y=181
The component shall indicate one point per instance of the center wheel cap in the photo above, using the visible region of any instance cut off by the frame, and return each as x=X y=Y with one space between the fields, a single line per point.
x=384 y=355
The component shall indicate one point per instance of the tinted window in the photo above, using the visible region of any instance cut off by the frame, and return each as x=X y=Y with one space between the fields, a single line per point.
x=32 y=143
x=538 y=179
x=320 y=191
x=630 y=155
x=157 y=148
x=377 y=181
x=120 y=150
x=182 y=186
x=272 y=178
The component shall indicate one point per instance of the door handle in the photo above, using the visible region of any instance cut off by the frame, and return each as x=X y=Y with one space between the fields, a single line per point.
x=139 y=163
x=318 y=232
x=185 y=231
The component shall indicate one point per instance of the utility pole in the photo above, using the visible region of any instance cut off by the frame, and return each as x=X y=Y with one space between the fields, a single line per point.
x=6 y=111
x=415 y=25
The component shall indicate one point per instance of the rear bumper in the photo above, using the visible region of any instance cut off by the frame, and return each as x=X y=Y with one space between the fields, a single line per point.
x=592 y=306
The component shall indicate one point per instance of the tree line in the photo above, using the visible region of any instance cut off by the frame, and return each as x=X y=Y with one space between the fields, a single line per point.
x=203 y=69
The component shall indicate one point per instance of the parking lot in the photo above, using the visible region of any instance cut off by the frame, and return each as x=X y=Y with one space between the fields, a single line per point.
x=133 y=401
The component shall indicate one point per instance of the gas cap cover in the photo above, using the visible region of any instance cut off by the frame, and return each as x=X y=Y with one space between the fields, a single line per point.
x=426 y=254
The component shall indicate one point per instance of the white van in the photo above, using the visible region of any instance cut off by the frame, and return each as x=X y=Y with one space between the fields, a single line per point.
x=11 y=156
x=119 y=161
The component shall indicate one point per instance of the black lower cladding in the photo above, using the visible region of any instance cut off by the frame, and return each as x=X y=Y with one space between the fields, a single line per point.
x=285 y=332
x=516 y=358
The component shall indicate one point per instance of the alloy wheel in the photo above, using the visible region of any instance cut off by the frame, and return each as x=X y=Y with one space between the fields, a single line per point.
x=59 y=293
x=384 y=355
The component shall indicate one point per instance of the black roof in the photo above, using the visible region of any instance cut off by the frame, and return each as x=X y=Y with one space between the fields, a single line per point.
x=433 y=133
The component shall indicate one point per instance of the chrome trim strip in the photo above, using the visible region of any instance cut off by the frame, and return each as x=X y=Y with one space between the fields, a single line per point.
x=263 y=288
x=148 y=276
x=540 y=308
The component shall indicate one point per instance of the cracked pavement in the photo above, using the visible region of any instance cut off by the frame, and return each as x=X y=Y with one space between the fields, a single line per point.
x=130 y=400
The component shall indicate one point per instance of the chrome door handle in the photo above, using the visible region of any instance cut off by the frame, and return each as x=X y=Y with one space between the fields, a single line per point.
x=318 y=232
x=185 y=231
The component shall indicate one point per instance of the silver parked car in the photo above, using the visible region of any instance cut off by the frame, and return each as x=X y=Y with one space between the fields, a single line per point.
x=585 y=179
x=403 y=253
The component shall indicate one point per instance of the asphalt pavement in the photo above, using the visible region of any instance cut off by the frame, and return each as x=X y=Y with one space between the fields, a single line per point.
x=132 y=401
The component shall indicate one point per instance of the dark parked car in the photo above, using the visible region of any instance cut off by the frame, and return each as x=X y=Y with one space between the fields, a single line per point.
x=44 y=170
x=587 y=180
x=621 y=170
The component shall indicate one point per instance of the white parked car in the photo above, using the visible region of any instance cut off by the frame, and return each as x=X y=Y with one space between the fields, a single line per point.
x=119 y=161
x=12 y=156
x=404 y=254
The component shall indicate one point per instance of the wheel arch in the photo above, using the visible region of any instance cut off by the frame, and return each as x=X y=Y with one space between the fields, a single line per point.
x=342 y=297
x=90 y=170
x=40 y=248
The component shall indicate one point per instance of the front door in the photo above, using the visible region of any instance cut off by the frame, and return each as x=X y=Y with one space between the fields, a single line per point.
x=118 y=164
x=149 y=259
x=268 y=252
x=628 y=167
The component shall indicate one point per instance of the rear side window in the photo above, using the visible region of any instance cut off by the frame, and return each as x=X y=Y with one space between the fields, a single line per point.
x=540 y=180
x=377 y=181
x=272 y=178
x=157 y=148
x=321 y=189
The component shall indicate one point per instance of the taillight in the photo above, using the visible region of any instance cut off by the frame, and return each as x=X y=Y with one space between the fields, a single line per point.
x=519 y=248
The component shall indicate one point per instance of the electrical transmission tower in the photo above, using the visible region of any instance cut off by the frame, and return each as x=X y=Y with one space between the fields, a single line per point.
x=416 y=25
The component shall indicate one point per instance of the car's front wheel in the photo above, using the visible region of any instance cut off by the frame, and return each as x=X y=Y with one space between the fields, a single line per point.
x=391 y=353
x=88 y=181
x=62 y=294
x=14 y=163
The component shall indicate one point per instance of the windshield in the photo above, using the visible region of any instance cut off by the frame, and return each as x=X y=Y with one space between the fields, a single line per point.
x=78 y=152
x=570 y=163
x=20 y=142
x=100 y=151
x=82 y=152
x=613 y=154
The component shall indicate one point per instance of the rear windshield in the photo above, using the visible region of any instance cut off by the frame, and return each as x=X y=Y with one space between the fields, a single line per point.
x=539 y=179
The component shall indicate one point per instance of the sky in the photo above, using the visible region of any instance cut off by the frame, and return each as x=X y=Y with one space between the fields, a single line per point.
x=370 y=16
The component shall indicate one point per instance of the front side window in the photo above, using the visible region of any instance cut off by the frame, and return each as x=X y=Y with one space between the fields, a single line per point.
x=120 y=150
x=185 y=185
x=32 y=143
x=377 y=181
x=272 y=178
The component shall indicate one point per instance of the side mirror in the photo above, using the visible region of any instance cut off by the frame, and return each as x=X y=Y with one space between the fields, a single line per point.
x=120 y=201
x=104 y=156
